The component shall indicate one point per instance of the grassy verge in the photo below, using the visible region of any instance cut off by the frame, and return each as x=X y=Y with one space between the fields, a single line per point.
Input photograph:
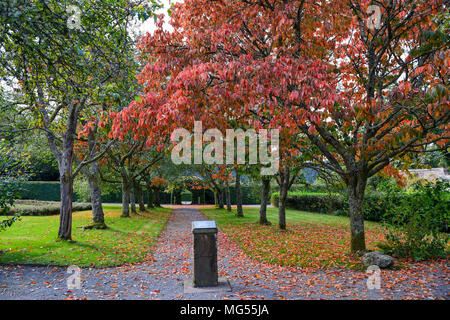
x=312 y=240
x=127 y=240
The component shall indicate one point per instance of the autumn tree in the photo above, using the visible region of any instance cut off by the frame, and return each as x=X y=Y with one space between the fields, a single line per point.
x=391 y=76
x=354 y=98
x=226 y=72
x=59 y=69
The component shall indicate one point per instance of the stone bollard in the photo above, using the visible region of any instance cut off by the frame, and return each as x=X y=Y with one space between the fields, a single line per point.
x=205 y=253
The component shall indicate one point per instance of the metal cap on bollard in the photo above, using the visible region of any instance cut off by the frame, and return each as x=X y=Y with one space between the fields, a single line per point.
x=204 y=227
x=205 y=253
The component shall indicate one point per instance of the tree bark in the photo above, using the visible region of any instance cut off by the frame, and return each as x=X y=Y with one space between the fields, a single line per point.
x=265 y=194
x=239 y=211
x=284 y=187
x=149 y=197
x=356 y=188
x=157 y=197
x=133 y=201
x=140 y=197
x=228 y=197
x=125 y=198
x=98 y=216
x=66 y=183
x=66 y=179
x=92 y=173
x=220 y=198
x=65 y=161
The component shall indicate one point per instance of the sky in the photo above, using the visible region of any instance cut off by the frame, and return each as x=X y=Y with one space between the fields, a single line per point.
x=149 y=25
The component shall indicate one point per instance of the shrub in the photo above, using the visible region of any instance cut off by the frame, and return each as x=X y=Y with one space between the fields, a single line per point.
x=42 y=208
x=375 y=207
x=416 y=222
x=323 y=203
x=81 y=189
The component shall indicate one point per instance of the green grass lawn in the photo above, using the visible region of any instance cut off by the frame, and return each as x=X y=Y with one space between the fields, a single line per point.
x=312 y=240
x=127 y=240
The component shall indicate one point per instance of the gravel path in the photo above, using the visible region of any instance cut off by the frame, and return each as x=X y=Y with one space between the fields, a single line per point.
x=162 y=276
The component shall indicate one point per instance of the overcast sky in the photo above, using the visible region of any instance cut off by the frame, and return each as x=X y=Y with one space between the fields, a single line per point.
x=149 y=25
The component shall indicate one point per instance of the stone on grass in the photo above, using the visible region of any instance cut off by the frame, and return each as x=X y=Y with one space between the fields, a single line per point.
x=378 y=259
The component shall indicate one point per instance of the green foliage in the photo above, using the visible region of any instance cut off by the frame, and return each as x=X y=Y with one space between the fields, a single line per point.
x=416 y=222
x=43 y=168
x=81 y=189
x=4 y=224
x=376 y=205
x=11 y=176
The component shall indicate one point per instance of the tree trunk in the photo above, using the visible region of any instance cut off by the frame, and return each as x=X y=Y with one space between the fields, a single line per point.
x=96 y=197
x=284 y=187
x=65 y=215
x=228 y=197
x=157 y=197
x=239 y=211
x=92 y=174
x=125 y=198
x=149 y=197
x=65 y=161
x=66 y=182
x=215 y=199
x=265 y=194
x=220 y=198
x=355 y=188
x=133 y=201
x=140 y=197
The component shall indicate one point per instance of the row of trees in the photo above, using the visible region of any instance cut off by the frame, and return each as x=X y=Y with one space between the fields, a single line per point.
x=348 y=97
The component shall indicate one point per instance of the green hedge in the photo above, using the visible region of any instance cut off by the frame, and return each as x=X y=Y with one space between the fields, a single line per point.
x=374 y=208
x=49 y=191
x=40 y=190
x=43 y=208
x=319 y=202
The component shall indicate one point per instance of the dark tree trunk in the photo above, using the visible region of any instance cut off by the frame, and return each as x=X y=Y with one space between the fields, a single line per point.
x=239 y=211
x=220 y=198
x=265 y=194
x=355 y=188
x=65 y=215
x=228 y=197
x=125 y=198
x=157 y=198
x=284 y=187
x=149 y=197
x=133 y=201
x=140 y=197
